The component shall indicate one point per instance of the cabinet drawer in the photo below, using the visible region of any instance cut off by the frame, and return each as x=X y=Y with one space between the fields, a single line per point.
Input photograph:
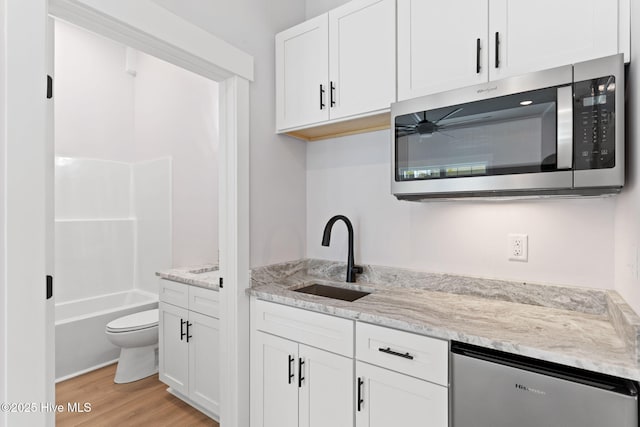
x=174 y=293
x=315 y=329
x=416 y=355
x=204 y=301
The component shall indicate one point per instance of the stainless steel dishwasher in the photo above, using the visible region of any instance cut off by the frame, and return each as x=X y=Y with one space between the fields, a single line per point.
x=491 y=388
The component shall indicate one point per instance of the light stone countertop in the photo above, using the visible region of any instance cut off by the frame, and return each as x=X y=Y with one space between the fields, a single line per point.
x=204 y=276
x=584 y=328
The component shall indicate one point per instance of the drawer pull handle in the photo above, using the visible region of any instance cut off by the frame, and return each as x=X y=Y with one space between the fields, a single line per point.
x=189 y=324
x=300 y=377
x=360 y=399
x=291 y=374
x=182 y=332
x=395 y=353
x=332 y=94
x=321 y=97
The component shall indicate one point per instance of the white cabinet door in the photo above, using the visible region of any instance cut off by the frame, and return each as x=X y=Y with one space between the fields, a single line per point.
x=392 y=399
x=173 y=347
x=302 y=67
x=204 y=361
x=438 y=45
x=362 y=57
x=274 y=383
x=535 y=35
x=326 y=389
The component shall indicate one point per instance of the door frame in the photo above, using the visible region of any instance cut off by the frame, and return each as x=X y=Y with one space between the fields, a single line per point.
x=152 y=29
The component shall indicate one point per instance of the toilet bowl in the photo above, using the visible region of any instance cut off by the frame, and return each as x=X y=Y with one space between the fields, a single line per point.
x=137 y=337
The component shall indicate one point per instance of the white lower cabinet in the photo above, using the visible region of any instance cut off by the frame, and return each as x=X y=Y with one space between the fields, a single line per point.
x=297 y=385
x=301 y=368
x=173 y=349
x=401 y=378
x=325 y=394
x=387 y=398
x=189 y=349
x=275 y=390
x=303 y=372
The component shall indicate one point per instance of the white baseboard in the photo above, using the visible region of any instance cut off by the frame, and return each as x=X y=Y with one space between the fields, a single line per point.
x=84 y=371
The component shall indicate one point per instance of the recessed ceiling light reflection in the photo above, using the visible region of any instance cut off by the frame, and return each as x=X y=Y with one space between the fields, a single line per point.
x=525 y=103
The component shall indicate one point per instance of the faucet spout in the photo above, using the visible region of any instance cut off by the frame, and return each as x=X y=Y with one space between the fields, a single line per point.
x=352 y=269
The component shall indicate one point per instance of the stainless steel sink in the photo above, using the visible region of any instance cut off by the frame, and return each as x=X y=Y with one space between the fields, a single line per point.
x=334 y=292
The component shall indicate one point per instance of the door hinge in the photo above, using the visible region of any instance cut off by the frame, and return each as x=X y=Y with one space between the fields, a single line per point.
x=49 y=287
x=221 y=282
x=49 y=87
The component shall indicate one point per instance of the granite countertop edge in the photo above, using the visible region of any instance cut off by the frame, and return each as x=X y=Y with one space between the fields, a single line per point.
x=202 y=276
x=275 y=286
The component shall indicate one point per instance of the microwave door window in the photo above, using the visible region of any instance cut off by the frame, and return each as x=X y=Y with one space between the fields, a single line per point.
x=507 y=135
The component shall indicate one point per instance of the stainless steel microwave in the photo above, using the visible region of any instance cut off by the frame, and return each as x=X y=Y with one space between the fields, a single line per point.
x=553 y=132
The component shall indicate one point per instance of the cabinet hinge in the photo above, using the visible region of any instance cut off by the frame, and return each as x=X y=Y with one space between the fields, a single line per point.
x=49 y=287
x=49 y=87
x=221 y=282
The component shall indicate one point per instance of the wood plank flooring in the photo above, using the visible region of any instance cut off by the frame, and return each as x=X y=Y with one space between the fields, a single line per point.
x=141 y=403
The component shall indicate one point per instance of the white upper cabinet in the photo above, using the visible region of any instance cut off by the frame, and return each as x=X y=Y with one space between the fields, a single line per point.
x=362 y=57
x=438 y=41
x=340 y=64
x=442 y=45
x=535 y=35
x=302 y=74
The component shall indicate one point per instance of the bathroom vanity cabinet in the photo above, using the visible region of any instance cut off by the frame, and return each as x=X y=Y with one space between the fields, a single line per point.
x=189 y=344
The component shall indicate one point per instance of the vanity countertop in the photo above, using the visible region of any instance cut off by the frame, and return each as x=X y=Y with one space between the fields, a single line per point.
x=585 y=328
x=204 y=276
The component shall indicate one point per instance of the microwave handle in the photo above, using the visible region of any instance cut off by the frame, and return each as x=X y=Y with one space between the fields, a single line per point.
x=565 y=128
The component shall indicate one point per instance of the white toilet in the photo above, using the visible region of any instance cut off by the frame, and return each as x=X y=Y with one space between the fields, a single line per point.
x=137 y=336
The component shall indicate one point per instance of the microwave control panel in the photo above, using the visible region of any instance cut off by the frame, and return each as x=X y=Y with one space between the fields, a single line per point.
x=594 y=123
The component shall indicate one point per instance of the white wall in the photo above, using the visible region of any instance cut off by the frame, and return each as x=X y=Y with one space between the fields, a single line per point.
x=176 y=115
x=627 y=219
x=152 y=208
x=277 y=162
x=93 y=97
x=570 y=241
x=103 y=112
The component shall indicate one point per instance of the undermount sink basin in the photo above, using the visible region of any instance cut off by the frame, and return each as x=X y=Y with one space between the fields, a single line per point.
x=334 y=292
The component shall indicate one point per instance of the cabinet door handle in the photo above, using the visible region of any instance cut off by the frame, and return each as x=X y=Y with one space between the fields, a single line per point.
x=321 y=97
x=189 y=324
x=332 y=94
x=497 y=57
x=182 y=332
x=300 y=377
x=360 y=399
x=291 y=374
x=395 y=353
x=478 y=49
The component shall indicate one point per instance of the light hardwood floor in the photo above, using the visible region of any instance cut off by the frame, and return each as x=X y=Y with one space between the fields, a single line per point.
x=141 y=403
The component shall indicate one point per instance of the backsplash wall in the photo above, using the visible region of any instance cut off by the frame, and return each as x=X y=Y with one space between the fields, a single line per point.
x=570 y=241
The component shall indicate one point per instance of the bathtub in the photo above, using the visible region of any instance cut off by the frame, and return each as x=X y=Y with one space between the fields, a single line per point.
x=81 y=344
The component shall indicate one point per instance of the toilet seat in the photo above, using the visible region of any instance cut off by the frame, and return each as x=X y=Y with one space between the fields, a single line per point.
x=134 y=322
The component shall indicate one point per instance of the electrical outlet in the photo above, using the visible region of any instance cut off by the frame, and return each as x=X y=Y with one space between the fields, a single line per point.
x=518 y=245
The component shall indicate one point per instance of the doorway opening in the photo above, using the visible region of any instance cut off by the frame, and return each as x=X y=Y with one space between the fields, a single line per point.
x=136 y=188
x=28 y=214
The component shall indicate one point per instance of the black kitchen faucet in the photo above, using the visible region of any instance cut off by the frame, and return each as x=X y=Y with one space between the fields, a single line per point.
x=352 y=269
